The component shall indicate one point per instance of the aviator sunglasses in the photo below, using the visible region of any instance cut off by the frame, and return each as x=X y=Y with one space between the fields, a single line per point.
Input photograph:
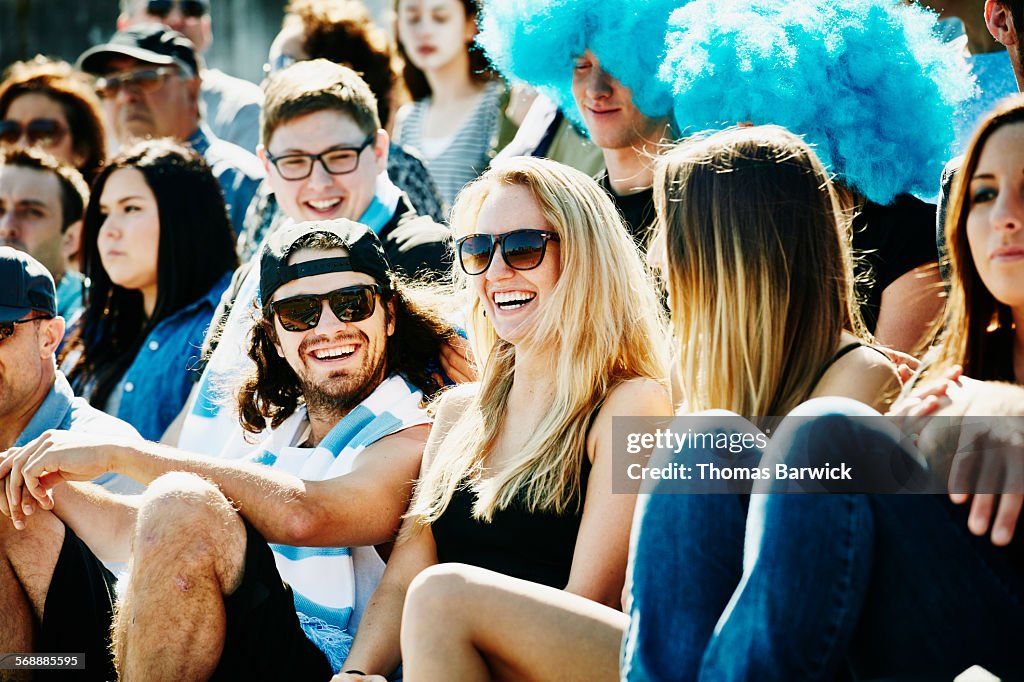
x=189 y=8
x=7 y=328
x=521 y=249
x=144 y=80
x=351 y=304
x=38 y=131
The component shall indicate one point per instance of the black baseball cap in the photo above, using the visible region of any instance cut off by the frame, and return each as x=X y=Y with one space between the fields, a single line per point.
x=27 y=286
x=148 y=42
x=365 y=254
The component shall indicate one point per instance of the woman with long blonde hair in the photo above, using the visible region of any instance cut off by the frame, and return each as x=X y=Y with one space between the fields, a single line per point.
x=517 y=476
x=757 y=262
x=759 y=270
x=755 y=250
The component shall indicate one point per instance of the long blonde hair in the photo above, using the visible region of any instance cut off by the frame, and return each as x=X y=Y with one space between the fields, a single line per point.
x=760 y=269
x=602 y=322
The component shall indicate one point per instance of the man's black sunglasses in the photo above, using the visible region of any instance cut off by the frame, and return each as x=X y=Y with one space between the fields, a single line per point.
x=189 y=8
x=7 y=328
x=350 y=304
x=336 y=161
x=521 y=249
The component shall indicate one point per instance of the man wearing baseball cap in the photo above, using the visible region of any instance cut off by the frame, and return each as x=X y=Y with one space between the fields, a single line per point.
x=342 y=356
x=148 y=79
x=34 y=395
x=231 y=106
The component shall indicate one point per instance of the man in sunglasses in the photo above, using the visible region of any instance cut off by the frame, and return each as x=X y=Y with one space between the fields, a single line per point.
x=231 y=106
x=340 y=381
x=42 y=202
x=148 y=79
x=34 y=398
x=34 y=395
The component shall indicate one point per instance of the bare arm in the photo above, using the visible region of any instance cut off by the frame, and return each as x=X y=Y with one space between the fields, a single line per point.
x=599 y=560
x=909 y=306
x=864 y=375
x=285 y=509
x=377 y=648
x=103 y=520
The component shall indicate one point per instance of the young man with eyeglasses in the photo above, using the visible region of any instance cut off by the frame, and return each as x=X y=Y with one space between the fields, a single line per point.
x=325 y=155
x=231 y=106
x=148 y=81
x=341 y=374
x=42 y=202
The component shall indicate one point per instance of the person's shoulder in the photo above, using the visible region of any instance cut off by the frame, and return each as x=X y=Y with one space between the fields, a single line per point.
x=228 y=87
x=452 y=403
x=87 y=419
x=206 y=303
x=865 y=374
x=641 y=396
x=221 y=155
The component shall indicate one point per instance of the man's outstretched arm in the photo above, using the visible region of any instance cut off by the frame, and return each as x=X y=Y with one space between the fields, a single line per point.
x=363 y=507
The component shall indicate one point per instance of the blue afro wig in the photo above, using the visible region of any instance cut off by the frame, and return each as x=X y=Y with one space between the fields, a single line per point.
x=538 y=41
x=867 y=82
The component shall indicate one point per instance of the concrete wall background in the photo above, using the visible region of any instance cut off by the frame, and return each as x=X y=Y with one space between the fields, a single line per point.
x=242 y=30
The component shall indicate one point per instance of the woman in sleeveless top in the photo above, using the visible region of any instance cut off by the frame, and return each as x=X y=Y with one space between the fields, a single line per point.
x=517 y=475
x=759 y=275
x=453 y=120
x=756 y=258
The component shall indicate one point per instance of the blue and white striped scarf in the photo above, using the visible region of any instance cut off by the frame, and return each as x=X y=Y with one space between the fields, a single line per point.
x=323 y=578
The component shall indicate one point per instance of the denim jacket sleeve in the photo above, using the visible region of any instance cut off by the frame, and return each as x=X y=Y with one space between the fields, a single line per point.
x=159 y=380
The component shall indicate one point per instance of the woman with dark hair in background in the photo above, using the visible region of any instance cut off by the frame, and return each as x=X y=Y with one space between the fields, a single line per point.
x=456 y=111
x=47 y=104
x=158 y=250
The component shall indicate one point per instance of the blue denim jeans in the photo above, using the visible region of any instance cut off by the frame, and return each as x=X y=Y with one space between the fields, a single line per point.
x=804 y=586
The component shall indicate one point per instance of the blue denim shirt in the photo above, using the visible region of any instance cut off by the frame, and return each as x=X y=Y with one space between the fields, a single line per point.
x=238 y=172
x=160 y=378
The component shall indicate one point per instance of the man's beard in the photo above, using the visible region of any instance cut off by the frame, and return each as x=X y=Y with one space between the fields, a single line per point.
x=339 y=393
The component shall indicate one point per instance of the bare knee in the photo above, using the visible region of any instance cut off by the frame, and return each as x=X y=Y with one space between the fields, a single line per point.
x=186 y=520
x=447 y=591
x=178 y=502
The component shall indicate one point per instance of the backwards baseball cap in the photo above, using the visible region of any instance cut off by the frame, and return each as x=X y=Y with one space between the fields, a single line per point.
x=27 y=286
x=365 y=254
x=148 y=42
